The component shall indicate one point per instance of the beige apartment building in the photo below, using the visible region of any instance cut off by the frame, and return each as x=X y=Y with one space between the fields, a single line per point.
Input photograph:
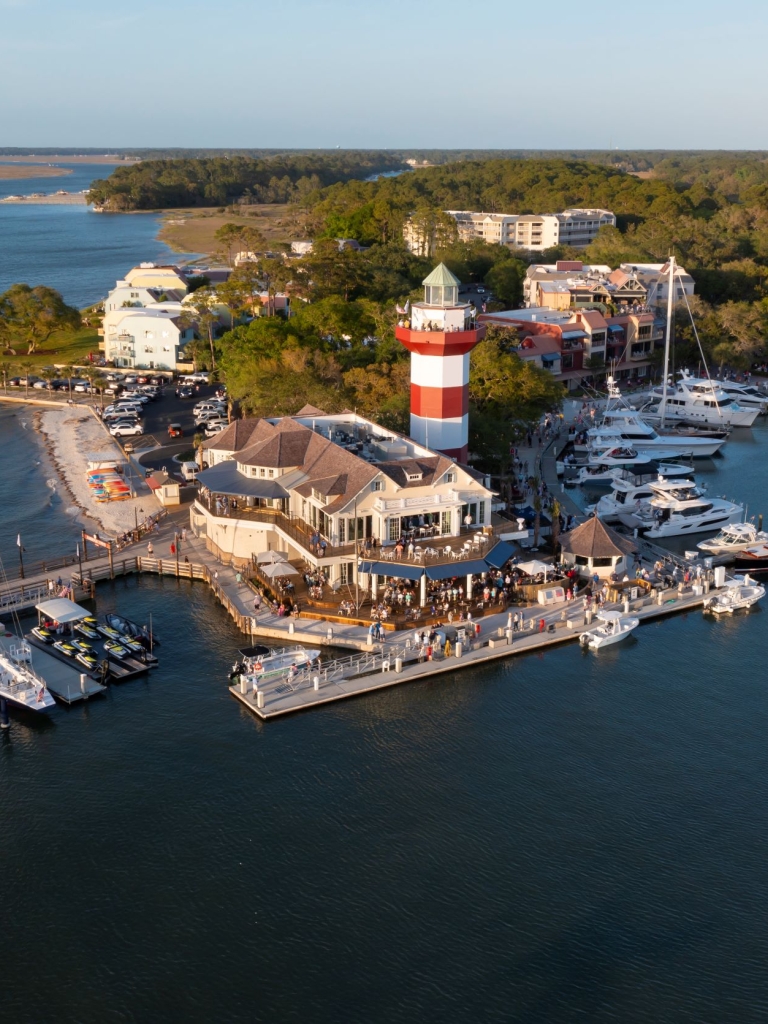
x=534 y=232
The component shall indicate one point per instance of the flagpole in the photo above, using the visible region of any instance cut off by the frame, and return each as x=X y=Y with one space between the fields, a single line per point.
x=21 y=556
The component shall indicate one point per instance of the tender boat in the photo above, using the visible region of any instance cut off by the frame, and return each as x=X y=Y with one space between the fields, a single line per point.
x=278 y=664
x=753 y=559
x=739 y=593
x=19 y=684
x=614 y=627
x=731 y=539
x=125 y=627
x=678 y=508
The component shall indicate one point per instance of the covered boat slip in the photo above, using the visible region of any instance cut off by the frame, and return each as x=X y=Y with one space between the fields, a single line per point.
x=64 y=679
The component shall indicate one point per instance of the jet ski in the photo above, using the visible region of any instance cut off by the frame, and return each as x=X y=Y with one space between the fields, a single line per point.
x=66 y=648
x=44 y=634
x=82 y=646
x=109 y=633
x=87 y=660
x=115 y=649
x=84 y=629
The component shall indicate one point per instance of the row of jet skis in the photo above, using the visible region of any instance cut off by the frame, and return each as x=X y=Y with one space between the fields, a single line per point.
x=120 y=639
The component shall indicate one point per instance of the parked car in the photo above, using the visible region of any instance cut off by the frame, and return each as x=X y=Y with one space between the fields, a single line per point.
x=126 y=429
x=175 y=430
x=214 y=426
x=185 y=392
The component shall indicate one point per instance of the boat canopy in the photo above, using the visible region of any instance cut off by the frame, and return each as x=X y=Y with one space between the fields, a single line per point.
x=61 y=609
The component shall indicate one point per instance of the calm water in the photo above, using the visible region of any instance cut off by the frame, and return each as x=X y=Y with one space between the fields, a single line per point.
x=71 y=248
x=563 y=837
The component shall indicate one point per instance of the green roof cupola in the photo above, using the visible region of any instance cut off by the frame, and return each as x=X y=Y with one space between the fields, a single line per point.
x=441 y=287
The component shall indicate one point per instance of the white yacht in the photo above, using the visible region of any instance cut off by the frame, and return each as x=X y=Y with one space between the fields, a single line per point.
x=624 y=497
x=19 y=684
x=739 y=593
x=629 y=426
x=699 y=402
x=679 y=507
x=747 y=395
x=732 y=539
x=603 y=460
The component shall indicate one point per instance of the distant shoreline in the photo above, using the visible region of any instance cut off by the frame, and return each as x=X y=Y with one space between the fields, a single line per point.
x=106 y=158
x=21 y=171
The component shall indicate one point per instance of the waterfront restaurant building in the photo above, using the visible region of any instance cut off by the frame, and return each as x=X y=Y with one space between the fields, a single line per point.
x=322 y=488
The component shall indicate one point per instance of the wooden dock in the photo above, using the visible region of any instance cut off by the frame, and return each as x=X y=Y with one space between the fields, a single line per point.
x=392 y=664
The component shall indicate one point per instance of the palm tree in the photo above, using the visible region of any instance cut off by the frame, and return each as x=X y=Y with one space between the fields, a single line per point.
x=537 y=510
x=69 y=372
x=8 y=370
x=556 y=511
x=198 y=441
x=27 y=368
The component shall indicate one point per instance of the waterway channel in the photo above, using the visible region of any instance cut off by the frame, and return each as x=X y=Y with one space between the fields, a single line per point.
x=558 y=837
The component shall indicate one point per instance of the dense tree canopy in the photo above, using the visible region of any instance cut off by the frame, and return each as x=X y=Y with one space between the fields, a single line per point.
x=31 y=315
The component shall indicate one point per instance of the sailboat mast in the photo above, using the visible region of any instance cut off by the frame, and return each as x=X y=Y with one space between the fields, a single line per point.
x=670 y=309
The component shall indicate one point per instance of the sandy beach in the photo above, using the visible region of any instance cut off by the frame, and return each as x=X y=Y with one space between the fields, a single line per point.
x=71 y=436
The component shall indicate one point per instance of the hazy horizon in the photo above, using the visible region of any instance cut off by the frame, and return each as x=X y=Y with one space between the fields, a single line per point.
x=416 y=75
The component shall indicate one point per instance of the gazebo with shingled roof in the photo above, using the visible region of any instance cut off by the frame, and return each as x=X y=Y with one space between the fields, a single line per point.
x=595 y=549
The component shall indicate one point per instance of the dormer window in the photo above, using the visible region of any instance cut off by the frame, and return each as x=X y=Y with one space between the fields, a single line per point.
x=450 y=478
x=413 y=476
x=319 y=497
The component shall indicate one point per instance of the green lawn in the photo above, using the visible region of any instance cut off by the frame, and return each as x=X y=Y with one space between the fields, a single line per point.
x=69 y=347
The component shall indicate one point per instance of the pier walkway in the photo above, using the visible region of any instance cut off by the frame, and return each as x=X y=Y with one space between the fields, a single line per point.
x=381 y=668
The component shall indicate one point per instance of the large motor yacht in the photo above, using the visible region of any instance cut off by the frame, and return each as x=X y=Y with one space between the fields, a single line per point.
x=629 y=426
x=700 y=402
x=19 y=684
x=679 y=507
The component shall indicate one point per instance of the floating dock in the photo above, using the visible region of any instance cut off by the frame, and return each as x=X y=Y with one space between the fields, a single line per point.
x=119 y=670
x=64 y=681
x=392 y=664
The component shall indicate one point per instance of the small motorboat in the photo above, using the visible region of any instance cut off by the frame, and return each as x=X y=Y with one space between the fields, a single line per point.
x=84 y=629
x=87 y=660
x=281 y=663
x=44 y=634
x=125 y=627
x=613 y=628
x=66 y=647
x=740 y=593
x=732 y=538
x=115 y=649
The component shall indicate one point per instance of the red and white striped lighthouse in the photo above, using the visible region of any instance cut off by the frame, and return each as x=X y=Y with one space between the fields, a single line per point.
x=440 y=335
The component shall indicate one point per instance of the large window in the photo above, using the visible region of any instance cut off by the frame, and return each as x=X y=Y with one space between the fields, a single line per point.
x=393 y=531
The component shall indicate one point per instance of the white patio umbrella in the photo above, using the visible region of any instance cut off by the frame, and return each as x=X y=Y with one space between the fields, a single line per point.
x=534 y=567
x=270 y=557
x=273 y=569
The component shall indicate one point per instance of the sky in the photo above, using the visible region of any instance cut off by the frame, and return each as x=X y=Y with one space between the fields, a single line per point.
x=394 y=74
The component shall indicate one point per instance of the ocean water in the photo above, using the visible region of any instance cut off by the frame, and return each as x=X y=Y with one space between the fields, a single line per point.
x=71 y=248
x=562 y=837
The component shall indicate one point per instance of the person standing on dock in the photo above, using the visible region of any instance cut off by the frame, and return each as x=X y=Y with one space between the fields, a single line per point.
x=150 y=549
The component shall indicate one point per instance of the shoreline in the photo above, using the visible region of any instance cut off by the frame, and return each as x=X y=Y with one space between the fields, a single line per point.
x=68 y=437
x=20 y=172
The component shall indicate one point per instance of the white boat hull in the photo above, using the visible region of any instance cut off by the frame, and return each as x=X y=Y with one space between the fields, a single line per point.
x=605 y=636
x=679 y=526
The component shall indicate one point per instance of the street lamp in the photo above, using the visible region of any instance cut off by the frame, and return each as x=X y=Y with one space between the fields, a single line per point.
x=136 y=519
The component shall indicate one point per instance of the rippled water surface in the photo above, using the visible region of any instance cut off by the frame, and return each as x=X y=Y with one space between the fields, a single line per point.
x=557 y=838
